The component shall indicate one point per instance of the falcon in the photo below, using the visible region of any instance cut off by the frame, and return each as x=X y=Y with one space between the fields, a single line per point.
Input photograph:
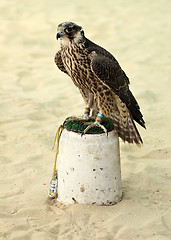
x=101 y=81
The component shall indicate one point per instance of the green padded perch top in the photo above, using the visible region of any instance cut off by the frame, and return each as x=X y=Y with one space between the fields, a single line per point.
x=76 y=125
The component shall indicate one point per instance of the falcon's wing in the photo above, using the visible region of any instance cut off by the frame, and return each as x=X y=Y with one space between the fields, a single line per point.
x=108 y=70
x=59 y=63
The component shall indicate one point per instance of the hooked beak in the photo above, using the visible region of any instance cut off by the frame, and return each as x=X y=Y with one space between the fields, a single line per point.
x=59 y=34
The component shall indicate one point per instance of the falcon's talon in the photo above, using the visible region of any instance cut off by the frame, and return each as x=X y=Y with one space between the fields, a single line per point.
x=95 y=124
x=82 y=134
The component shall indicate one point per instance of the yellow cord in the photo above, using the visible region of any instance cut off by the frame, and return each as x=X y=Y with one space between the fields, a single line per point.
x=54 y=181
x=57 y=136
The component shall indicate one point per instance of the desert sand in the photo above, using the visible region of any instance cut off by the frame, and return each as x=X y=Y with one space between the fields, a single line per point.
x=36 y=98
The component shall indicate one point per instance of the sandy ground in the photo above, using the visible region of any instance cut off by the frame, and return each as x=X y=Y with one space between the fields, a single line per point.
x=36 y=98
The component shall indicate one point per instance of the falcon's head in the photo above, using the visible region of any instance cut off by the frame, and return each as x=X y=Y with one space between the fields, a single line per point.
x=70 y=31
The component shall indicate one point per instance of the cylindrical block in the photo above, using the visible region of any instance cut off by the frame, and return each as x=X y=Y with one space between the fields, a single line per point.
x=89 y=169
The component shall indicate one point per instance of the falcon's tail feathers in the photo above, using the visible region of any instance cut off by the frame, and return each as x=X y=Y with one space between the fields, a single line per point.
x=127 y=132
x=135 y=110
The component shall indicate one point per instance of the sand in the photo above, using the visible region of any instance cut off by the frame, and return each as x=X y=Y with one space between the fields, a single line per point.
x=36 y=97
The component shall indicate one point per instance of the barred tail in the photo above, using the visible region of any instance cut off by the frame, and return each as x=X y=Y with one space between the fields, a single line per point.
x=126 y=129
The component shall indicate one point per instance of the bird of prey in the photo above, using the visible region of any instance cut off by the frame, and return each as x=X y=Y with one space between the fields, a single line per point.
x=101 y=81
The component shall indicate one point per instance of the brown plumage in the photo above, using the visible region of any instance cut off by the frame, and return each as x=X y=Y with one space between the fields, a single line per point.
x=100 y=80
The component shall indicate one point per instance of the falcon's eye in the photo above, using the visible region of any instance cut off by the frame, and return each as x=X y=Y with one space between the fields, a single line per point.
x=68 y=30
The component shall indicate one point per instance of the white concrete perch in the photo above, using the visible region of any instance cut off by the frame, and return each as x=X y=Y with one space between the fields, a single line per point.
x=89 y=169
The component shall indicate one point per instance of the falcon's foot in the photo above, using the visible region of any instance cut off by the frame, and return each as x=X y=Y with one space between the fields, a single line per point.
x=85 y=118
x=97 y=123
x=94 y=124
